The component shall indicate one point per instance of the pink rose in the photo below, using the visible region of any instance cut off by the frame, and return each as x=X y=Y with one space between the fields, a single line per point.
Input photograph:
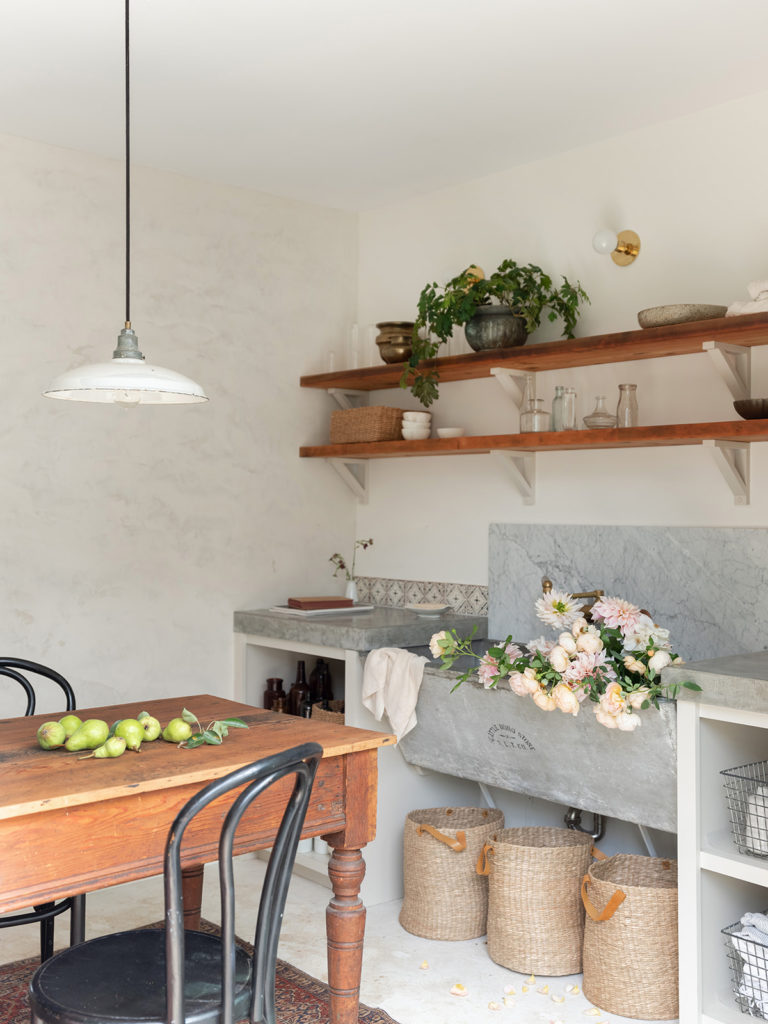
x=488 y=671
x=614 y=700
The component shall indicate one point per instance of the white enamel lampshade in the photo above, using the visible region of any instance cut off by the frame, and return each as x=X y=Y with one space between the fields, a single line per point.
x=127 y=380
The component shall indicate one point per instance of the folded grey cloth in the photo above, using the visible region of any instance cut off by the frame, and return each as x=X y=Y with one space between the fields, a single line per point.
x=759 y=921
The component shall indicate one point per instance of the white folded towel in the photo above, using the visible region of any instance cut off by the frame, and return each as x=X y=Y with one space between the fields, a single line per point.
x=758 y=293
x=391 y=681
x=756 y=825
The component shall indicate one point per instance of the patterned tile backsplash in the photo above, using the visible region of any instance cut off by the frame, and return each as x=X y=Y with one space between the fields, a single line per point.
x=464 y=598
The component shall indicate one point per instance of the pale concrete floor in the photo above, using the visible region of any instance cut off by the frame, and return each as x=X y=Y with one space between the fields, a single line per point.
x=393 y=978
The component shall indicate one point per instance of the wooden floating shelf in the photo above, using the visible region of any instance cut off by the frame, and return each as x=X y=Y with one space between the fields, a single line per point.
x=653 y=343
x=566 y=440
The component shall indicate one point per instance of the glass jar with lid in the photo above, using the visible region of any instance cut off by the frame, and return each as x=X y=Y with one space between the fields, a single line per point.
x=534 y=417
x=626 y=411
x=600 y=418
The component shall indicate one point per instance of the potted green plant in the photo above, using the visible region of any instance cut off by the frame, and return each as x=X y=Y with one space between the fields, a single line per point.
x=496 y=312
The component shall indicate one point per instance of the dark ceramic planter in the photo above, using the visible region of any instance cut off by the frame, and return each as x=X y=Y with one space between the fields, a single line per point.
x=495 y=327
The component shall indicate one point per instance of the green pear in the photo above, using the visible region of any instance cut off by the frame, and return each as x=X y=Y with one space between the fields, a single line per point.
x=70 y=723
x=131 y=731
x=88 y=736
x=177 y=731
x=51 y=735
x=150 y=725
x=112 y=747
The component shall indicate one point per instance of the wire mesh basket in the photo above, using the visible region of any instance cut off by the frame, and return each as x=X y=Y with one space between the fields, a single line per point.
x=746 y=790
x=748 y=961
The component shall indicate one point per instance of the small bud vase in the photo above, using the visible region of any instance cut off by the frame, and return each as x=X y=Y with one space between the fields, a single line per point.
x=351 y=590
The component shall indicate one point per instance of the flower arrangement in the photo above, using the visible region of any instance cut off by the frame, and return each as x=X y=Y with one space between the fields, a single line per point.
x=341 y=565
x=614 y=661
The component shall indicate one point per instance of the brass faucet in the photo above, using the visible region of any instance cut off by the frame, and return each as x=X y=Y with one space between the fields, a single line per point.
x=590 y=595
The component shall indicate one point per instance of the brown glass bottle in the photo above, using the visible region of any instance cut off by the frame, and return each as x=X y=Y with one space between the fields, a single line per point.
x=299 y=691
x=274 y=689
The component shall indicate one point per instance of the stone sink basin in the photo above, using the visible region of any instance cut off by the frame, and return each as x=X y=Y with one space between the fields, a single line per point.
x=498 y=738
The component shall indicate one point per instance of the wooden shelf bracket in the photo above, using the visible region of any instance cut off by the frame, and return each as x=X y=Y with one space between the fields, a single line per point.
x=732 y=459
x=354 y=473
x=734 y=364
x=522 y=466
x=513 y=382
x=348 y=398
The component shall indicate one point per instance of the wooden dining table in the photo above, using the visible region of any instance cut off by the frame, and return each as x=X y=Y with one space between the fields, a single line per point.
x=70 y=824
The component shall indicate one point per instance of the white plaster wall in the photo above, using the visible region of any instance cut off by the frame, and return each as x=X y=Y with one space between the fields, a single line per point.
x=129 y=537
x=692 y=188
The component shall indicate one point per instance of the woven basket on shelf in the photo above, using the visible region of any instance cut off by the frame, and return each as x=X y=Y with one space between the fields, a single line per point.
x=535 y=913
x=368 y=423
x=630 y=938
x=444 y=898
x=333 y=713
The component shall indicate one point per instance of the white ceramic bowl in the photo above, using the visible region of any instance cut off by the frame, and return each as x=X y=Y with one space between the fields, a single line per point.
x=417 y=417
x=416 y=432
x=450 y=431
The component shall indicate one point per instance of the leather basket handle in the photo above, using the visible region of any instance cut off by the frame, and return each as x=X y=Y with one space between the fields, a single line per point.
x=597 y=854
x=608 y=910
x=458 y=845
x=483 y=866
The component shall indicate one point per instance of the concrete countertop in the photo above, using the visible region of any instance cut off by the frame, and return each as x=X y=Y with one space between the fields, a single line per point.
x=737 y=681
x=360 y=631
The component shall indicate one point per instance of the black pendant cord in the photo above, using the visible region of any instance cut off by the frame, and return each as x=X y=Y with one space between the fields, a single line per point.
x=127 y=170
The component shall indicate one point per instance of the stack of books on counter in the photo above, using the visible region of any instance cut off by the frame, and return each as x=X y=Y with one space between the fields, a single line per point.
x=324 y=605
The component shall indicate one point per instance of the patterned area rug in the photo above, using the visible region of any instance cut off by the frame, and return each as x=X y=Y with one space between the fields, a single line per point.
x=300 y=998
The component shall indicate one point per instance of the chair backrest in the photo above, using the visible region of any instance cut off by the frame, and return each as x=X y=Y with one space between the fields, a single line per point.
x=301 y=761
x=15 y=668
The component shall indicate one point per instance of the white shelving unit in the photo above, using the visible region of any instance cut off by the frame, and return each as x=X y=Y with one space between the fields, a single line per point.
x=717 y=884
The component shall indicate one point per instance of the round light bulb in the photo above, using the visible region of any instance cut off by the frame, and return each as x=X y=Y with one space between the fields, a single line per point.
x=128 y=399
x=605 y=241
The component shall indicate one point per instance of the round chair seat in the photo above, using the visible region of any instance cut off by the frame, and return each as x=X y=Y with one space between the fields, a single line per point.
x=120 y=978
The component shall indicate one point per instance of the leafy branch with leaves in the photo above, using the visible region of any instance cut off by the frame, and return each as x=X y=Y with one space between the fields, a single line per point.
x=214 y=733
x=527 y=290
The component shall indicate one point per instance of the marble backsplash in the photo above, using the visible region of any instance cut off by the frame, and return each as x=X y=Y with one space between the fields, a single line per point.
x=464 y=598
x=707 y=585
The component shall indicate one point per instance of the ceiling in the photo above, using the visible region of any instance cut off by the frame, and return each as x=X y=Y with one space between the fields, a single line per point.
x=356 y=103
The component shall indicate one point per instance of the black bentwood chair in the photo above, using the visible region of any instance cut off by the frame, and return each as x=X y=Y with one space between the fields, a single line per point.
x=14 y=668
x=154 y=977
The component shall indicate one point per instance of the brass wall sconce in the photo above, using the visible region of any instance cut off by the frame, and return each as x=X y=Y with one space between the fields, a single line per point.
x=623 y=246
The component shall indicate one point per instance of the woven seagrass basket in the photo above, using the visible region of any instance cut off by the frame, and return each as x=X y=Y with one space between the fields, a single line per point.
x=535 y=913
x=333 y=713
x=444 y=897
x=368 y=423
x=630 y=937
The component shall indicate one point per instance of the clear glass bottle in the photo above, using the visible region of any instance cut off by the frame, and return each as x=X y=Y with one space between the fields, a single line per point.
x=599 y=417
x=557 y=408
x=626 y=411
x=535 y=418
x=569 y=409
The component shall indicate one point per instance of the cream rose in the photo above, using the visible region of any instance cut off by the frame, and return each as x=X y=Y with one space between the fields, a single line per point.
x=558 y=659
x=531 y=680
x=660 y=660
x=589 y=643
x=440 y=644
x=614 y=700
x=604 y=718
x=567 y=642
x=565 y=699
x=579 y=626
x=633 y=665
x=638 y=697
x=544 y=700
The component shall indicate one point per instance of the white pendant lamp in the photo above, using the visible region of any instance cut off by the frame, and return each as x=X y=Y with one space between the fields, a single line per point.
x=127 y=379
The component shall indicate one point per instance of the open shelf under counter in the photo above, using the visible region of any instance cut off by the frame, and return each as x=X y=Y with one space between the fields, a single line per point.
x=618 y=347
x=719 y=854
x=566 y=440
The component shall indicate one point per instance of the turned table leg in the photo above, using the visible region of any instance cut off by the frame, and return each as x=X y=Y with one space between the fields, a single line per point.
x=192 y=894
x=345 y=927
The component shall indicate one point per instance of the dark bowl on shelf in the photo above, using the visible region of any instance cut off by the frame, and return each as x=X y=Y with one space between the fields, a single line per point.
x=752 y=408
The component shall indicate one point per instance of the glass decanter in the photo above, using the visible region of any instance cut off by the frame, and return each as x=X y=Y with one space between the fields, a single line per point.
x=600 y=418
x=534 y=418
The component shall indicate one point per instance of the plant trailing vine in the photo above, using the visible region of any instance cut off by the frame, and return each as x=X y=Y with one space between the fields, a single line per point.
x=527 y=290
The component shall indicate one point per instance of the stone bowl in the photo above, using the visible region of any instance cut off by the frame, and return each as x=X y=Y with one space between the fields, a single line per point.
x=752 y=408
x=679 y=313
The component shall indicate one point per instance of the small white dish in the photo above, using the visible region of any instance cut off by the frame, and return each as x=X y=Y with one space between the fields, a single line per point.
x=428 y=609
x=417 y=417
x=450 y=431
x=415 y=432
